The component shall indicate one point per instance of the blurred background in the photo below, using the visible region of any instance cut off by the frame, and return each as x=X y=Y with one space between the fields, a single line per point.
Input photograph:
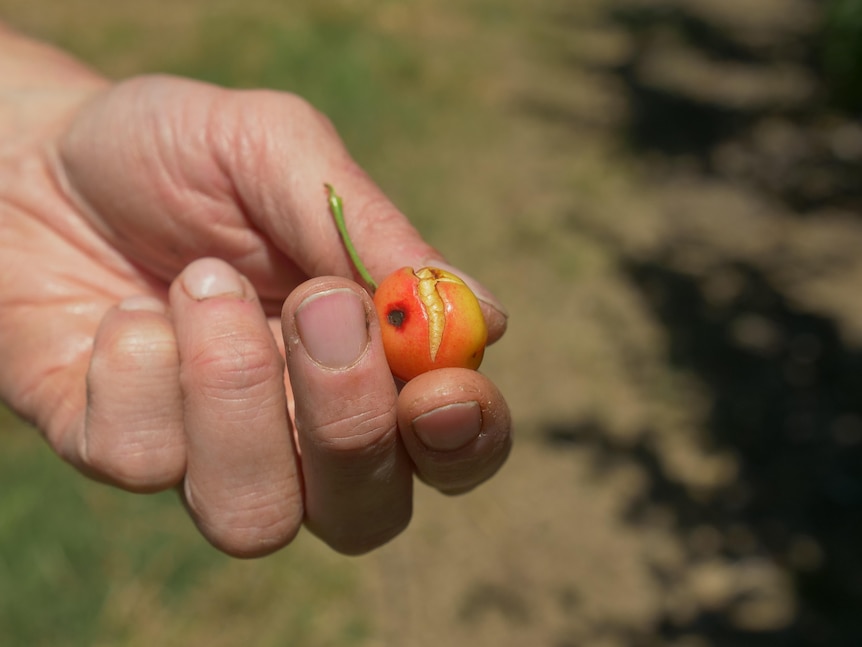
x=667 y=194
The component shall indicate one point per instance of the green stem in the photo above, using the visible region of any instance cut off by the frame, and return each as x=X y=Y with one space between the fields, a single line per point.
x=337 y=208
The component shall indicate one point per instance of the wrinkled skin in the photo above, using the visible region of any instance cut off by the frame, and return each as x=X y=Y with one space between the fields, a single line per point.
x=163 y=242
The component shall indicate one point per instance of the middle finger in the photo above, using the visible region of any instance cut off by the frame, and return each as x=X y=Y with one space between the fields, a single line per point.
x=242 y=482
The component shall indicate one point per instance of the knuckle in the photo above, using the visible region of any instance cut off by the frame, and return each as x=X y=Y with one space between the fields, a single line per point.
x=133 y=351
x=303 y=111
x=362 y=426
x=251 y=129
x=232 y=365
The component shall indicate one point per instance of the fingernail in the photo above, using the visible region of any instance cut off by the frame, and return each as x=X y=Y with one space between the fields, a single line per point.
x=207 y=278
x=137 y=303
x=333 y=328
x=482 y=293
x=449 y=427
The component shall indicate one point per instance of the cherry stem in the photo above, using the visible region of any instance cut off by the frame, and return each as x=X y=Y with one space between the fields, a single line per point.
x=337 y=208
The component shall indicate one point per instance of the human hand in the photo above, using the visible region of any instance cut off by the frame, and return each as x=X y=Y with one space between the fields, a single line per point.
x=151 y=232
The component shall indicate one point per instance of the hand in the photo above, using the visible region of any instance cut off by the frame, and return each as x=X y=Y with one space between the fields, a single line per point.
x=151 y=231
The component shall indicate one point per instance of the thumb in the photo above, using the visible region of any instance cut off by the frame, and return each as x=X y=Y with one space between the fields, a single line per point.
x=289 y=151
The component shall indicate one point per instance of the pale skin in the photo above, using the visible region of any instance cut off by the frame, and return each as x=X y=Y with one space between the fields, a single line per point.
x=162 y=242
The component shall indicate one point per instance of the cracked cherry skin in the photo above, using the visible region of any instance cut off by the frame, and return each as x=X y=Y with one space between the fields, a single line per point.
x=429 y=319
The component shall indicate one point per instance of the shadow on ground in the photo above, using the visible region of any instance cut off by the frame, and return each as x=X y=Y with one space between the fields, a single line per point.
x=785 y=390
x=786 y=403
x=745 y=100
x=750 y=107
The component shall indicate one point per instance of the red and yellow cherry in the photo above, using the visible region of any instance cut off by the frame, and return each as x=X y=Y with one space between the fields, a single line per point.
x=429 y=319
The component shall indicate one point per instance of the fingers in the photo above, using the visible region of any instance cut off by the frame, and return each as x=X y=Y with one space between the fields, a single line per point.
x=358 y=480
x=242 y=482
x=456 y=426
x=199 y=399
x=133 y=433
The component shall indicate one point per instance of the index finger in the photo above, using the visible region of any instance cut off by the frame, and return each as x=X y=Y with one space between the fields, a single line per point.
x=358 y=480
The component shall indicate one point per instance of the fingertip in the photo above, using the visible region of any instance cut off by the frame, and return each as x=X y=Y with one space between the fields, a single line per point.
x=248 y=532
x=456 y=427
x=142 y=303
x=208 y=278
x=496 y=320
x=329 y=320
x=332 y=326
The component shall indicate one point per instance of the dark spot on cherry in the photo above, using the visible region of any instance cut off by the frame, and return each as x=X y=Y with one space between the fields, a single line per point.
x=396 y=317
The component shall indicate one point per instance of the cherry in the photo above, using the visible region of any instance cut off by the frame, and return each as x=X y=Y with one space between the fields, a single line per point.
x=429 y=318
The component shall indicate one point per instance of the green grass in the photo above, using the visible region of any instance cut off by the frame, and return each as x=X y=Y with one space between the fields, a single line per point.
x=58 y=546
x=365 y=81
x=842 y=52
x=84 y=564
